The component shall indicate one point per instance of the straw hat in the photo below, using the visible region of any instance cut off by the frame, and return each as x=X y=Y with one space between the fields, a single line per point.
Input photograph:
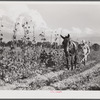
x=83 y=41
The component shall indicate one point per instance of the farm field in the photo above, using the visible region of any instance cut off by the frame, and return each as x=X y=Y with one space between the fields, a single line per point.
x=57 y=77
x=49 y=46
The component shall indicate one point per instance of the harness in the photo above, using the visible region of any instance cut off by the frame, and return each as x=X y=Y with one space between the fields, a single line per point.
x=72 y=48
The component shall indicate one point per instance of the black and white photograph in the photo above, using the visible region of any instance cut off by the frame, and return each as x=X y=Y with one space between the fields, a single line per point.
x=53 y=46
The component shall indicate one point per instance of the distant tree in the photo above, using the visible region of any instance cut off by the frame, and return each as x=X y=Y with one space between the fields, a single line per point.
x=2 y=44
x=55 y=45
x=60 y=46
x=9 y=43
x=46 y=44
x=29 y=43
x=38 y=43
x=19 y=43
x=96 y=47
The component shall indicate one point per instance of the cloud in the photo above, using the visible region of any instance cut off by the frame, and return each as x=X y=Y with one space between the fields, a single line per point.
x=78 y=33
x=18 y=12
x=14 y=11
x=88 y=31
x=74 y=32
x=2 y=12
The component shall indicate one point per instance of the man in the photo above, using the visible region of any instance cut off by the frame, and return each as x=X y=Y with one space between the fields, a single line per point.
x=85 y=51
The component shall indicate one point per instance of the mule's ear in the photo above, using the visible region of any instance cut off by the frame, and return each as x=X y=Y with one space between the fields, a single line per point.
x=62 y=37
x=68 y=35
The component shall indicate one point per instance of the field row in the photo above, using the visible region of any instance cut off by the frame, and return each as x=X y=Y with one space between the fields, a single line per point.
x=46 y=81
x=75 y=82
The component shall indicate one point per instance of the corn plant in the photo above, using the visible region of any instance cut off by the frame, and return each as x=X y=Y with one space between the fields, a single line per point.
x=43 y=39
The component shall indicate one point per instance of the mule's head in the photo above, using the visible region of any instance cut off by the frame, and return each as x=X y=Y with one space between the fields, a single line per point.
x=66 y=42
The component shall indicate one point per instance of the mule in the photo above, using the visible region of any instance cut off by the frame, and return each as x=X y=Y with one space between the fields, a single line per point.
x=70 y=50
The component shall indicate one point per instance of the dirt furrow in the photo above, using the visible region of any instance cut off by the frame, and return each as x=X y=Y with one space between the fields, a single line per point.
x=44 y=81
x=74 y=82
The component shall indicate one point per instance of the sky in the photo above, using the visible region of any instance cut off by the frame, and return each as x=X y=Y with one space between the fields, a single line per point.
x=80 y=19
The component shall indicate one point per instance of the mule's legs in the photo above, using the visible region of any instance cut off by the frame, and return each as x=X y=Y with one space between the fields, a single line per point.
x=67 y=60
x=71 y=62
x=75 y=60
x=67 y=65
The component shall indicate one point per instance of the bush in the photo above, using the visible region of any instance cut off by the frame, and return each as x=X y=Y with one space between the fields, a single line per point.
x=95 y=47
